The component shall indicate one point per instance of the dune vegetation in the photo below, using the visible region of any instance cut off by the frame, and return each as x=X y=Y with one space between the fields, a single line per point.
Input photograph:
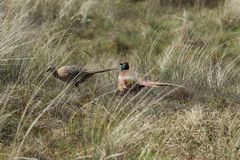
x=194 y=43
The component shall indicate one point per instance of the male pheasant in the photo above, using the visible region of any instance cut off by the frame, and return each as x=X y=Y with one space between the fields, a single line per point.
x=126 y=83
x=73 y=74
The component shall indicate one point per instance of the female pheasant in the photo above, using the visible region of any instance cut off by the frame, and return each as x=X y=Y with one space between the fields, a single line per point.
x=74 y=74
x=126 y=83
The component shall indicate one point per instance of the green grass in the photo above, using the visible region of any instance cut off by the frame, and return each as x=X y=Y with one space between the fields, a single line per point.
x=195 y=45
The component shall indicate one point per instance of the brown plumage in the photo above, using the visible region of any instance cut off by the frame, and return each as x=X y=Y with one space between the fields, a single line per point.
x=127 y=83
x=73 y=73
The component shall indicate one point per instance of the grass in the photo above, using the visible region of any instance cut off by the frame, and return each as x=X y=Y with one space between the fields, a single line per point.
x=195 y=45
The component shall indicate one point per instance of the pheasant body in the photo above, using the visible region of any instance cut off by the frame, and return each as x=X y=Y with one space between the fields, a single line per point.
x=127 y=83
x=73 y=73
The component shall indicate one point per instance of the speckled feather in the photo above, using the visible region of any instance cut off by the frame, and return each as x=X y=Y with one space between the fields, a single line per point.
x=69 y=73
x=74 y=74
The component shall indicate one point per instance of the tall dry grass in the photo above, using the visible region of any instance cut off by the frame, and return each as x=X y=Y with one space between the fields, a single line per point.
x=43 y=118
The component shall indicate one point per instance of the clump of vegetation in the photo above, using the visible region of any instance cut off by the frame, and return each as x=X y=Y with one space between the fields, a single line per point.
x=191 y=43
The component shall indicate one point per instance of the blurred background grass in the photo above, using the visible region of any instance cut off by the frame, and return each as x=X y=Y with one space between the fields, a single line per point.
x=189 y=42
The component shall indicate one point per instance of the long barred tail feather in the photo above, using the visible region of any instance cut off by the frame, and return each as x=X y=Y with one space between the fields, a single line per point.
x=104 y=70
x=180 y=93
x=157 y=84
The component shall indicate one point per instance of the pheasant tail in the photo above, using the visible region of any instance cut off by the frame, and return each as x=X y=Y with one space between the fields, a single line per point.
x=100 y=71
x=156 y=84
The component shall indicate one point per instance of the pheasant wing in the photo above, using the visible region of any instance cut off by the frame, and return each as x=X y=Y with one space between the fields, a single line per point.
x=73 y=72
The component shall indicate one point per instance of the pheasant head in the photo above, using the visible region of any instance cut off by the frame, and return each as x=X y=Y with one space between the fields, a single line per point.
x=124 y=66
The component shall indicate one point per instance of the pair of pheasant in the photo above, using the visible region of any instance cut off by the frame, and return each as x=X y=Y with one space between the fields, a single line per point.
x=77 y=75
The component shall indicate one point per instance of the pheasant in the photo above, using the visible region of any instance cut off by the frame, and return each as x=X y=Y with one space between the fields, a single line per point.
x=74 y=74
x=126 y=83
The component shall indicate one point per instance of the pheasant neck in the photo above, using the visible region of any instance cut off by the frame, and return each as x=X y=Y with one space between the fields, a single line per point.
x=55 y=73
x=122 y=74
